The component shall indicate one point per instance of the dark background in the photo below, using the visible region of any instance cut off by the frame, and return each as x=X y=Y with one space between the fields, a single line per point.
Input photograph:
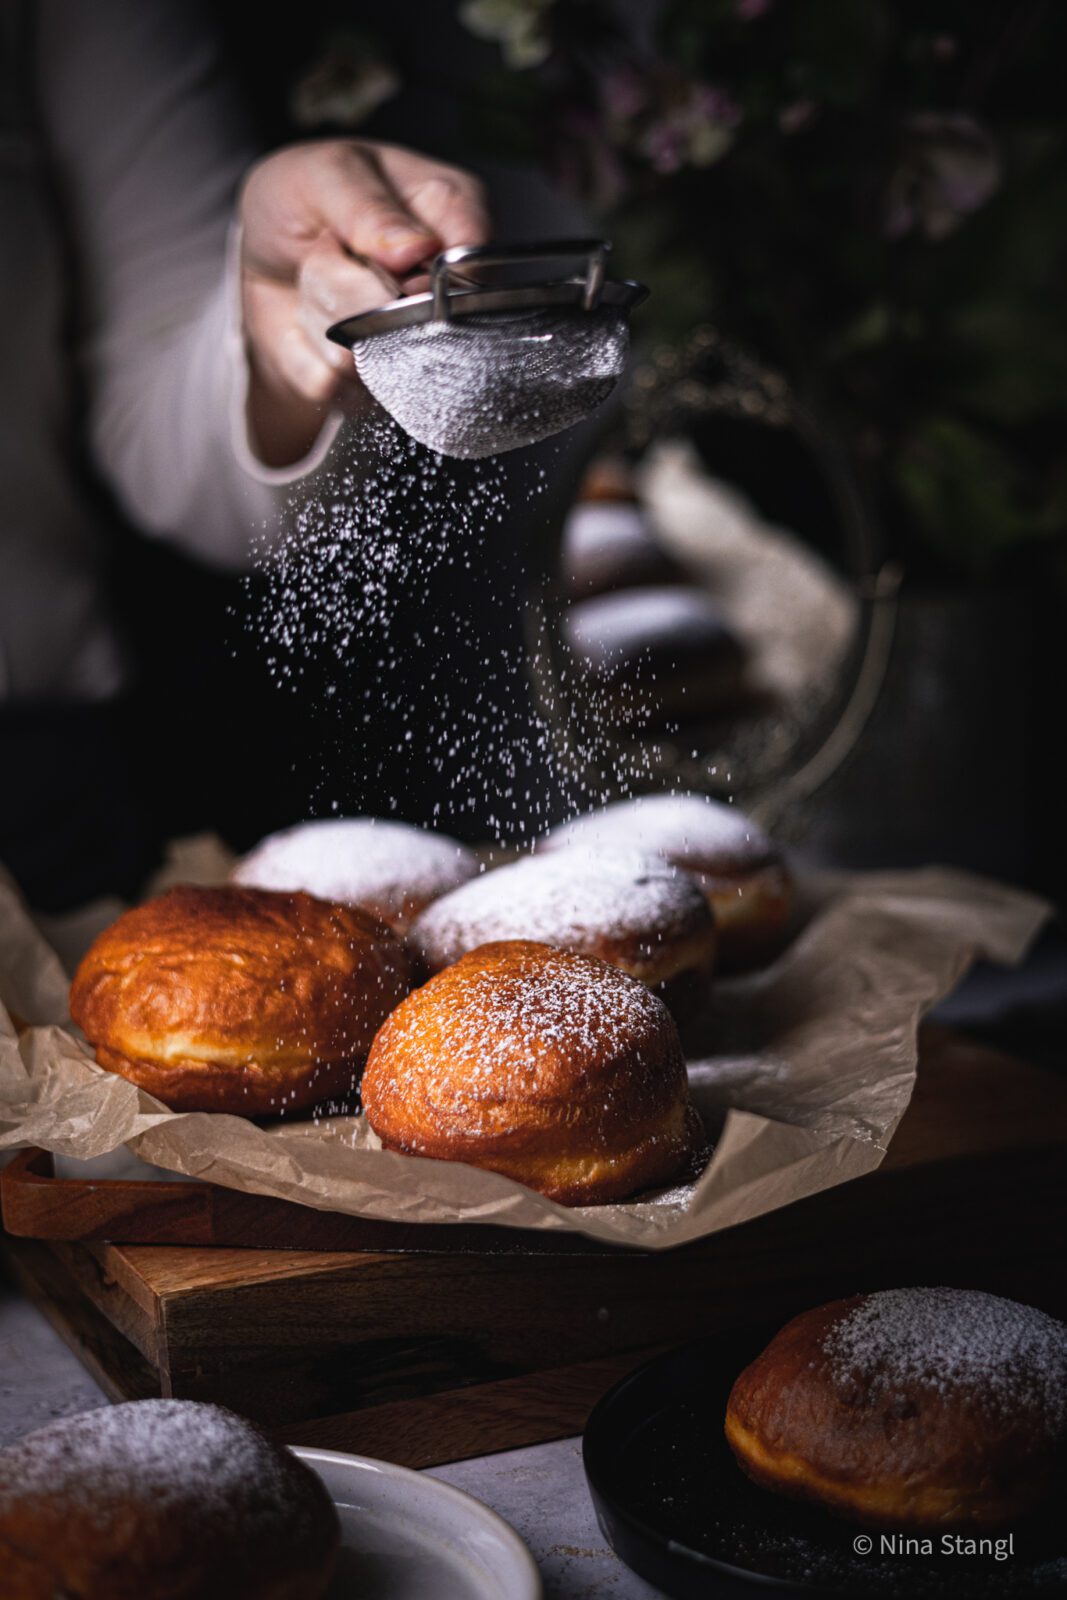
x=268 y=756
x=997 y=644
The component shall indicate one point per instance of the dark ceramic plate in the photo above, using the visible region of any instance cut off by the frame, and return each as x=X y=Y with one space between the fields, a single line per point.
x=673 y=1504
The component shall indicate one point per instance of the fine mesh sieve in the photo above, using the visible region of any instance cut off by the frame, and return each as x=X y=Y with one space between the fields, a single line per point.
x=498 y=353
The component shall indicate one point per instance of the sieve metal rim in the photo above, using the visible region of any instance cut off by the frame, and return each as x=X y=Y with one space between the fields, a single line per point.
x=621 y=294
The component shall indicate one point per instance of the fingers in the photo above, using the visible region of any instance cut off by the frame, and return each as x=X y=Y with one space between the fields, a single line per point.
x=287 y=324
x=333 y=284
x=333 y=229
x=397 y=208
x=285 y=354
x=358 y=205
x=446 y=199
x=389 y=205
x=304 y=368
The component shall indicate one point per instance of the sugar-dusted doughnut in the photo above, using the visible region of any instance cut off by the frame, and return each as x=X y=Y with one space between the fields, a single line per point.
x=909 y=1409
x=554 y=1069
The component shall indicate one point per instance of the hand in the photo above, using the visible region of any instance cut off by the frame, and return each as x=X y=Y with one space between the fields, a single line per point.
x=330 y=229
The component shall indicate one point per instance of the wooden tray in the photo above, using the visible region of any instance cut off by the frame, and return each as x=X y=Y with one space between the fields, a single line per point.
x=35 y=1204
x=423 y=1352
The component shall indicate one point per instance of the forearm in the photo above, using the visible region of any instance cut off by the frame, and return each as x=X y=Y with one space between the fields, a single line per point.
x=176 y=430
x=149 y=197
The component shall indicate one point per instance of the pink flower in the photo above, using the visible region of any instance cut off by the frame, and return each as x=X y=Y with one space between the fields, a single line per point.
x=710 y=104
x=665 y=144
x=695 y=130
x=949 y=167
x=623 y=93
x=797 y=116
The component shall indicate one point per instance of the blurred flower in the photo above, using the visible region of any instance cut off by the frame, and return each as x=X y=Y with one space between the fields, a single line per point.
x=617 y=104
x=349 y=81
x=694 y=130
x=949 y=166
x=624 y=93
x=520 y=27
x=664 y=144
x=587 y=161
x=797 y=116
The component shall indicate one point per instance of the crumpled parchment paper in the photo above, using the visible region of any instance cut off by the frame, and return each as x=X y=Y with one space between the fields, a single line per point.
x=809 y=1067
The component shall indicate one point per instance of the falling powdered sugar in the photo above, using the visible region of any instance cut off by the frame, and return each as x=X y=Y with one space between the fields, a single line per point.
x=365 y=533
x=951 y=1341
x=396 y=602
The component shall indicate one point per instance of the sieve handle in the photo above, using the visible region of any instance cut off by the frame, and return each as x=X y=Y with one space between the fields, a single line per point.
x=594 y=252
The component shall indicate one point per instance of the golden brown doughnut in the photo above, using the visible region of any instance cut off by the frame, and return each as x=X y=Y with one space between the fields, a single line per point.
x=738 y=866
x=232 y=999
x=634 y=911
x=909 y=1409
x=161 y=1500
x=391 y=869
x=551 y=1068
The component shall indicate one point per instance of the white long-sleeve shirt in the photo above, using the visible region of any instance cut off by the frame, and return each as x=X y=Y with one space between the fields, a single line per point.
x=120 y=343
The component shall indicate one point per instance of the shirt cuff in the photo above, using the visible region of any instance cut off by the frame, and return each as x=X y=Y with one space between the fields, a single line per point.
x=240 y=429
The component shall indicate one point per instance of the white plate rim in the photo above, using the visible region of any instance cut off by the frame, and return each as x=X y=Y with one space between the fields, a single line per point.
x=467 y=1504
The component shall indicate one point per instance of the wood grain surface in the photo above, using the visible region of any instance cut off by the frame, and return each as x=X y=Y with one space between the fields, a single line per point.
x=426 y=1355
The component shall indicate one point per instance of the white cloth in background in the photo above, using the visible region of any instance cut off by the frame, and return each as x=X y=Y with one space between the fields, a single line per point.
x=120 y=154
